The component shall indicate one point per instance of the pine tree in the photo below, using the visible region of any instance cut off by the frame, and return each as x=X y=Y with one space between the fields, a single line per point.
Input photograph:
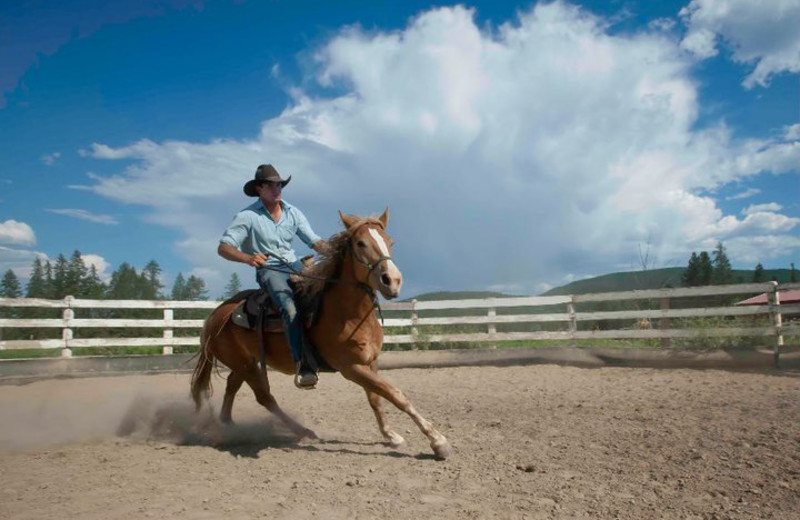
x=40 y=285
x=196 y=288
x=193 y=288
x=233 y=287
x=759 y=275
x=691 y=275
x=10 y=286
x=92 y=286
x=722 y=272
x=704 y=269
x=179 y=288
x=125 y=284
x=151 y=276
x=60 y=277
x=49 y=282
x=75 y=275
x=37 y=284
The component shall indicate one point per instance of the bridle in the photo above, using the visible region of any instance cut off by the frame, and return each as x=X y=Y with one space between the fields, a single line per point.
x=370 y=268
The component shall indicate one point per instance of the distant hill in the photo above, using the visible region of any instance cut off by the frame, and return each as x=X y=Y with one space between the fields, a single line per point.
x=613 y=282
x=625 y=281
x=457 y=295
x=652 y=279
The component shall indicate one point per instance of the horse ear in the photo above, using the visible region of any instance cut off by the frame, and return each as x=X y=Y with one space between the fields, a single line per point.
x=385 y=217
x=347 y=221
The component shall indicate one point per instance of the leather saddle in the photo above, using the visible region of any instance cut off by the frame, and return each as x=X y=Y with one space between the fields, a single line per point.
x=255 y=306
x=252 y=303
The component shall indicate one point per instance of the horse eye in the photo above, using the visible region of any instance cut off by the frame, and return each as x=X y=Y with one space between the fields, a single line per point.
x=361 y=244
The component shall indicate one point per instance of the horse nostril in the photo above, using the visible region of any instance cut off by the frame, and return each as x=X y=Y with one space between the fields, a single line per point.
x=386 y=280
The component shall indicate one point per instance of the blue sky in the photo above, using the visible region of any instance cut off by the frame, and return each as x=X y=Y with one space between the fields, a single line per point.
x=519 y=146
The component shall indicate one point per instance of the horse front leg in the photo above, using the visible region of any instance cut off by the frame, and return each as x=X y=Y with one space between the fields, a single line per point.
x=376 y=386
x=376 y=402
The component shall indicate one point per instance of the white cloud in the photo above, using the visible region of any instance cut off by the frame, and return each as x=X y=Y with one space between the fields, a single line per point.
x=701 y=42
x=771 y=207
x=509 y=156
x=50 y=159
x=750 y=250
x=19 y=260
x=16 y=233
x=100 y=264
x=746 y=194
x=763 y=33
x=85 y=215
x=662 y=24
x=766 y=222
x=792 y=132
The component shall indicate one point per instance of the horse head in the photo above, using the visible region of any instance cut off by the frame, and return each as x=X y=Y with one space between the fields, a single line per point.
x=371 y=248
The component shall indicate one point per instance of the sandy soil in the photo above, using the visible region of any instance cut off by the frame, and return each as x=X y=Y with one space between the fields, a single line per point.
x=540 y=441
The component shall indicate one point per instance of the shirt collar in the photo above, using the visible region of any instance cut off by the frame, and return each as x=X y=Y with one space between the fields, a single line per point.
x=259 y=204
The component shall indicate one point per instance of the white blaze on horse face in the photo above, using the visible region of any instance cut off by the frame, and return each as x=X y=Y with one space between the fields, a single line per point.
x=380 y=241
x=391 y=272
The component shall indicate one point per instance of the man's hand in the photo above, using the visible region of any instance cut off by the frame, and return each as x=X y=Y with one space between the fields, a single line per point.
x=321 y=247
x=257 y=260
x=231 y=253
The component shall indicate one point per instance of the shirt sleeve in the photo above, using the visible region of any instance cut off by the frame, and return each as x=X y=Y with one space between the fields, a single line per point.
x=304 y=230
x=237 y=232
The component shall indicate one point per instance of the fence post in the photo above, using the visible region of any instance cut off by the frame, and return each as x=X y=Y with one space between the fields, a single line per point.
x=168 y=333
x=414 y=331
x=777 y=322
x=492 y=314
x=573 y=321
x=664 y=323
x=66 y=332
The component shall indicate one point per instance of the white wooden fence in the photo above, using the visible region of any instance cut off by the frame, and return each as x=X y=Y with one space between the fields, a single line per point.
x=653 y=318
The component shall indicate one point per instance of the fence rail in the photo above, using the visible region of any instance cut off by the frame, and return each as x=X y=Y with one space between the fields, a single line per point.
x=416 y=322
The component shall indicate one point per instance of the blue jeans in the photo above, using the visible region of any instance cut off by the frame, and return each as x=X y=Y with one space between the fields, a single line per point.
x=276 y=283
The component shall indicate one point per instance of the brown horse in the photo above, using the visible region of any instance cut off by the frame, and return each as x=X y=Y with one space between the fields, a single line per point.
x=346 y=332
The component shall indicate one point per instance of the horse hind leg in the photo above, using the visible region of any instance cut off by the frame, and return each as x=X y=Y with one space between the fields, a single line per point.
x=394 y=439
x=235 y=380
x=260 y=386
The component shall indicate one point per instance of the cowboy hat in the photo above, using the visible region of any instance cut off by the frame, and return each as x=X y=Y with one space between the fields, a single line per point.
x=265 y=172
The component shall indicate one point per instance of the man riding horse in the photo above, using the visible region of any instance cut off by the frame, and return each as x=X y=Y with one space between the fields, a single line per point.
x=354 y=267
x=261 y=236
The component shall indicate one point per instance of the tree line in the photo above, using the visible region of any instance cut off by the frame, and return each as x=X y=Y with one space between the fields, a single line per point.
x=715 y=269
x=53 y=280
x=73 y=277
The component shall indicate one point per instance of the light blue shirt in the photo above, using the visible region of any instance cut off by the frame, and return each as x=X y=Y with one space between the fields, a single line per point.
x=254 y=231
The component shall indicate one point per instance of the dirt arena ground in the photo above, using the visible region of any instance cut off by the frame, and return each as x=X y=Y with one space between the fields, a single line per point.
x=539 y=442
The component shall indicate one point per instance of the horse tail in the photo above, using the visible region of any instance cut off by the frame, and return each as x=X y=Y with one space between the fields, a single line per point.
x=201 y=376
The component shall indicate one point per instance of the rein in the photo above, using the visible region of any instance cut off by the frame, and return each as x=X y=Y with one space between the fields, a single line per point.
x=366 y=288
x=361 y=285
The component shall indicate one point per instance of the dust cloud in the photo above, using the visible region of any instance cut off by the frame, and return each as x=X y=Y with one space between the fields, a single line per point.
x=51 y=413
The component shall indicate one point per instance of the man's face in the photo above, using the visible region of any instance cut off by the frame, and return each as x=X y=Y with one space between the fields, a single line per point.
x=269 y=192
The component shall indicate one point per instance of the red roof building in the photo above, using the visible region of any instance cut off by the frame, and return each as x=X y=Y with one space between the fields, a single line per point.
x=763 y=299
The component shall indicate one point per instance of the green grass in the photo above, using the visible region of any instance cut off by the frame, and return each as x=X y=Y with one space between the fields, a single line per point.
x=92 y=351
x=30 y=353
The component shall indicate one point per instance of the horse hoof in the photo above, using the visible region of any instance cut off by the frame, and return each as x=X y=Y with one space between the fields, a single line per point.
x=395 y=441
x=310 y=435
x=441 y=449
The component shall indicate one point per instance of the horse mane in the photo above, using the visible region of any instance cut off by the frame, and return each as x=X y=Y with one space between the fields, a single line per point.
x=328 y=264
